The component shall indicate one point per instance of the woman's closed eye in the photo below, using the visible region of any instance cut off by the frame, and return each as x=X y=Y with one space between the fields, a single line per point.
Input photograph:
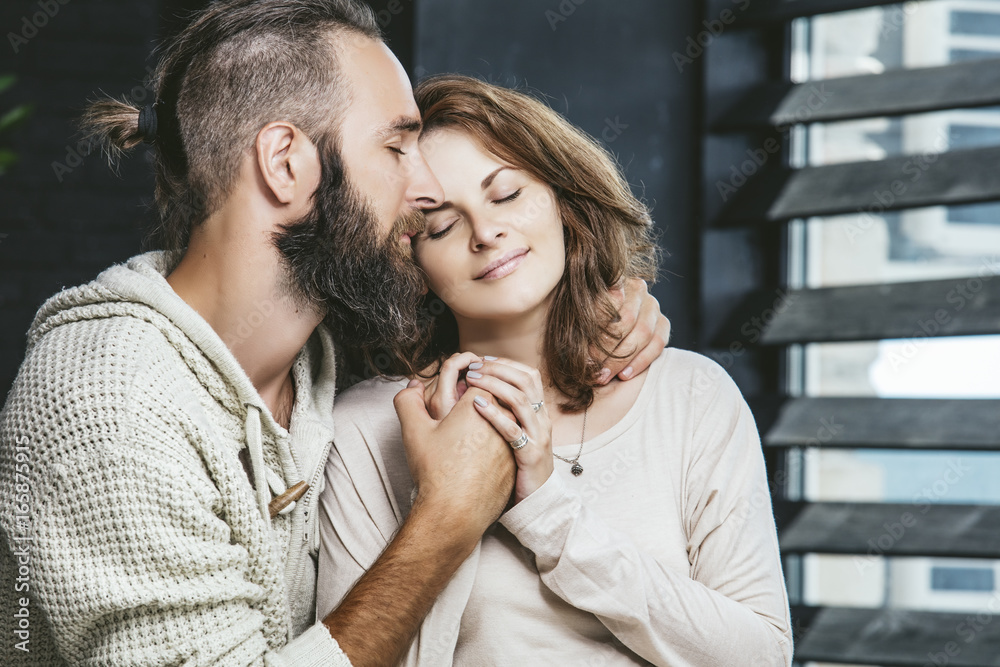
x=442 y=230
x=509 y=198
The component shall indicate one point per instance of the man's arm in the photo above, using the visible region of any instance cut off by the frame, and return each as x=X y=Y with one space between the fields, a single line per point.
x=464 y=474
x=377 y=620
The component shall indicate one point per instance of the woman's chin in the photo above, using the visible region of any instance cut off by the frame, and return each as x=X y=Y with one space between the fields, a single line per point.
x=501 y=315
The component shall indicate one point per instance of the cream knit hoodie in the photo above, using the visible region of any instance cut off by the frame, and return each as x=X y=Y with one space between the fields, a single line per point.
x=132 y=535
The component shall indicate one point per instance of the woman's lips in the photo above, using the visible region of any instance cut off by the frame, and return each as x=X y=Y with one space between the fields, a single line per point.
x=504 y=266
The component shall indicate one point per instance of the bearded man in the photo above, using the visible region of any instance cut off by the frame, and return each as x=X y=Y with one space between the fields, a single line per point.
x=162 y=450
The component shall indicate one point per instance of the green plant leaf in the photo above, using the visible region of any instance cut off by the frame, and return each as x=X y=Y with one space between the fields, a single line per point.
x=7 y=159
x=14 y=116
x=6 y=81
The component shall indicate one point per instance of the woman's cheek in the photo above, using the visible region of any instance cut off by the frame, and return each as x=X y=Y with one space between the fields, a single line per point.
x=441 y=274
x=450 y=292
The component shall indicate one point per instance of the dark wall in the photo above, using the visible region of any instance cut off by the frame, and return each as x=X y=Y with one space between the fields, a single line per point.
x=64 y=215
x=609 y=67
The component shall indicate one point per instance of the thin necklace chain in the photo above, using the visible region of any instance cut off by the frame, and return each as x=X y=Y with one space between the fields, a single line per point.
x=575 y=461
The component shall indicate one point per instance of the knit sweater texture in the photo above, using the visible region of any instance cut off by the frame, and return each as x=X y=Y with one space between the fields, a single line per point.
x=132 y=534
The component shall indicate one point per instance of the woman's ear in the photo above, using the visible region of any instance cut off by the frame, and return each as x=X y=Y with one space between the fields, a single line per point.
x=288 y=162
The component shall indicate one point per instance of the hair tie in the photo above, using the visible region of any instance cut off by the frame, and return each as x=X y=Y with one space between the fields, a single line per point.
x=148 y=123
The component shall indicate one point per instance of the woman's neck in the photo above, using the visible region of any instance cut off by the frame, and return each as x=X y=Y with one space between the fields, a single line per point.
x=520 y=339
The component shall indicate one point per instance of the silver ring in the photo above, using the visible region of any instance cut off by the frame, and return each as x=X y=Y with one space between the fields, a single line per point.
x=520 y=442
x=537 y=406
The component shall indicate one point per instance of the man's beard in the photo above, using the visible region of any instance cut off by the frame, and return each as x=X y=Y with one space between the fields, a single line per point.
x=369 y=289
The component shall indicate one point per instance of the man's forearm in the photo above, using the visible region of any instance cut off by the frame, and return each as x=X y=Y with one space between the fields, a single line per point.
x=377 y=620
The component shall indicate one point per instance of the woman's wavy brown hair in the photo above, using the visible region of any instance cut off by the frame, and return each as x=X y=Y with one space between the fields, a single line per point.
x=608 y=232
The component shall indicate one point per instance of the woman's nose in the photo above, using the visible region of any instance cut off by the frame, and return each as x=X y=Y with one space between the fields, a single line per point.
x=486 y=231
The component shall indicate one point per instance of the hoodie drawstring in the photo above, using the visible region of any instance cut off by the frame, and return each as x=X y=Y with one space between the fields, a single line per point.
x=268 y=484
x=255 y=444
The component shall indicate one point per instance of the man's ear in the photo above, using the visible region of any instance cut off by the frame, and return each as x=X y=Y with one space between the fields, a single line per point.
x=288 y=162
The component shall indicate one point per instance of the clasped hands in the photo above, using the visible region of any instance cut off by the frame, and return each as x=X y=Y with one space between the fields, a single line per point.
x=457 y=430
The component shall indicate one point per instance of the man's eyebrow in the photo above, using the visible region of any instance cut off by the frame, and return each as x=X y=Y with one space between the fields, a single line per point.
x=489 y=179
x=403 y=124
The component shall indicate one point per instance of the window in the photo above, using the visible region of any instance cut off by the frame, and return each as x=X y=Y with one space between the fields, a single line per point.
x=908 y=245
x=962 y=579
x=885 y=431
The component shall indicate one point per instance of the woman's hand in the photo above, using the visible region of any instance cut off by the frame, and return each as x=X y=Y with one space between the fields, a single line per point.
x=442 y=391
x=519 y=387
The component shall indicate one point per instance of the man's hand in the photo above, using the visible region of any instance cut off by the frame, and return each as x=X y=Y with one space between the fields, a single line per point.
x=442 y=391
x=464 y=473
x=460 y=465
x=640 y=335
x=519 y=387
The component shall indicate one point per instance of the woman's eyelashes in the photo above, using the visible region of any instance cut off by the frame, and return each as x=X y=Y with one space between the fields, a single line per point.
x=509 y=198
x=438 y=234
x=444 y=230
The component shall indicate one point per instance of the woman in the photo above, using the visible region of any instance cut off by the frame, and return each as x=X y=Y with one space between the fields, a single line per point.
x=640 y=529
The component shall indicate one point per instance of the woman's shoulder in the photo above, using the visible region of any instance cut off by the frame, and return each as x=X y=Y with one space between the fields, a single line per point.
x=695 y=382
x=684 y=369
x=371 y=397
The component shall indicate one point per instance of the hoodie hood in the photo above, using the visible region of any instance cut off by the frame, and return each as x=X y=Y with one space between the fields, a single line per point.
x=141 y=281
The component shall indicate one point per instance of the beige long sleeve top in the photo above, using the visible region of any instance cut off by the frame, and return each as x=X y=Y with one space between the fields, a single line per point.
x=663 y=551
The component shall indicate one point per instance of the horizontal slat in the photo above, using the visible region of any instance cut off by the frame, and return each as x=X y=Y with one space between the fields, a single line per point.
x=955 y=307
x=892 y=529
x=894 y=93
x=764 y=12
x=897 y=637
x=887 y=423
x=776 y=194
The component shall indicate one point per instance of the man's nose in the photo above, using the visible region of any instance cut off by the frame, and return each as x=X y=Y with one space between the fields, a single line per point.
x=424 y=190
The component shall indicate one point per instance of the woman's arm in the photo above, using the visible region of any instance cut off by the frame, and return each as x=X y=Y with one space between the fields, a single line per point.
x=730 y=609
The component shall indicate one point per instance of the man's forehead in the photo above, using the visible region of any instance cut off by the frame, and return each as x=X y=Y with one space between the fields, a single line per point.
x=381 y=94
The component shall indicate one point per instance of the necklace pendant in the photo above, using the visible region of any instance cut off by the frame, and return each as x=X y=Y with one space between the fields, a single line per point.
x=577 y=469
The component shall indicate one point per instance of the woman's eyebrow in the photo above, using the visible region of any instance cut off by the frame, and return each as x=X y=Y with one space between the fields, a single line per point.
x=489 y=179
x=485 y=184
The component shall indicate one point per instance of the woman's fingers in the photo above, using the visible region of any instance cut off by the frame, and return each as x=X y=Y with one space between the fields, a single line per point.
x=506 y=427
x=519 y=387
x=447 y=391
x=525 y=378
x=534 y=422
x=536 y=439
x=533 y=454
